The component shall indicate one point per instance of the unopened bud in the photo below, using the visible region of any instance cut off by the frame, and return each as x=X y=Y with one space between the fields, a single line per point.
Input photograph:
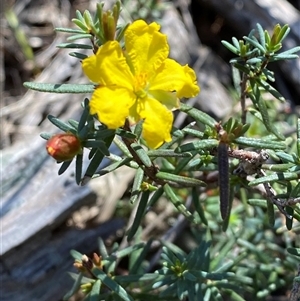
x=79 y=266
x=97 y=260
x=87 y=262
x=63 y=147
x=86 y=287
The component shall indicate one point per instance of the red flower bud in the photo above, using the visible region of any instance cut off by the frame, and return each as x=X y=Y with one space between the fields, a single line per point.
x=63 y=147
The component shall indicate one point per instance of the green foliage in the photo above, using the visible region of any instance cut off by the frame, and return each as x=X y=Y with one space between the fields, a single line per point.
x=236 y=257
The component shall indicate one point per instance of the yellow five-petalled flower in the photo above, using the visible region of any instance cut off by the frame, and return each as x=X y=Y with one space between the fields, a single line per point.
x=139 y=82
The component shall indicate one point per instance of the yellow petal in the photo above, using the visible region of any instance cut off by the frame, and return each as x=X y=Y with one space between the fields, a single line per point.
x=168 y=99
x=108 y=67
x=146 y=46
x=190 y=87
x=157 y=122
x=111 y=105
x=171 y=76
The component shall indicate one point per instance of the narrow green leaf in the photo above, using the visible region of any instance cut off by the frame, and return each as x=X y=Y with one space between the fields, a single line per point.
x=294 y=251
x=112 y=285
x=75 y=287
x=239 y=66
x=236 y=76
x=252 y=53
x=79 y=15
x=277 y=167
x=280 y=57
x=86 y=131
x=286 y=157
x=289 y=221
x=73 y=123
x=296 y=191
x=78 y=55
x=138 y=262
x=125 y=134
x=142 y=154
x=259 y=143
x=235 y=42
x=114 y=166
x=255 y=60
x=256 y=44
x=231 y=47
x=181 y=288
x=198 y=206
x=95 y=162
x=136 y=187
x=74 y=46
x=269 y=74
x=193 y=132
x=257 y=202
x=223 y=166
x=121 y=145
x=198 y=115
x=177 y=203
x=182 y=164
x=76 y=255
x=298 y=137
x=166 y=280
x=234 y=296
x=121 y=33
x=169 y=256
x=197 y=145
x=94 y=293
x=60 y=88
x=102 y=248
x=231 y=197
x=92 y=153
x=138 y=129
x=97 y=144
x=100 y=13
x=127 y=251
x=156 y=196
x=211 y=276
x=284 y=176
x=186 y=181
x=177 y=136
x=288 y=52
x=261 y=35
x=84 y=115
x=101 y=134
x=81 y=24
x=88 y=18
x=69 y=30
x=139 y=215
x=61 y=124
x=270 y=89
x=136 y=278
x=271 y=214
x=78 y=168
x=285 y=29
x=266 y=120
x=46 y=136
x=80 y=36
x=166 y=153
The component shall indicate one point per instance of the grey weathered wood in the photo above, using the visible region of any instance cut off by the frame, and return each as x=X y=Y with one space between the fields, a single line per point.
x=37 y=270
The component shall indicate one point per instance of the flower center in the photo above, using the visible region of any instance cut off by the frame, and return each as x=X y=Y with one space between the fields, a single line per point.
x=140 y=85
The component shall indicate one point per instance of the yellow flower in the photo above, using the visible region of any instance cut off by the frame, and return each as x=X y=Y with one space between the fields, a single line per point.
x=139 y=83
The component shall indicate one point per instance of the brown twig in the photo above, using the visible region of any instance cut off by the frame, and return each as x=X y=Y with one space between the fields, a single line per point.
x=149 y=171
